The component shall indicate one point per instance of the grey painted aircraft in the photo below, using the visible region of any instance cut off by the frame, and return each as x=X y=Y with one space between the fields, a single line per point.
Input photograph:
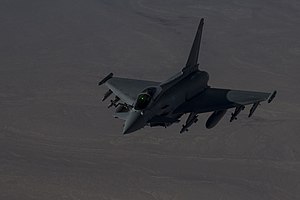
x=147 y=103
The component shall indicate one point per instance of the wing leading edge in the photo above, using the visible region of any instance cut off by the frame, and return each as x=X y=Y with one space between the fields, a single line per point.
x=128 y=89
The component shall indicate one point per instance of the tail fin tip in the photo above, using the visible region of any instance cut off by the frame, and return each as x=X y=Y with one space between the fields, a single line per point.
x=192 y=61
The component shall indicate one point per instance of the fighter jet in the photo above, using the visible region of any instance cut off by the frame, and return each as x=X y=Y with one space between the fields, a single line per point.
x=148 y=103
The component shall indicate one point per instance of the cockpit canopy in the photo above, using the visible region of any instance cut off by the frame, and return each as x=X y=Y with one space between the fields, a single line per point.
x=142 y=101
x=144 y=98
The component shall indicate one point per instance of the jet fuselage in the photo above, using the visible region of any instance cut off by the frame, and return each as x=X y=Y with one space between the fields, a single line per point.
x=182 y=88
x=144 y=102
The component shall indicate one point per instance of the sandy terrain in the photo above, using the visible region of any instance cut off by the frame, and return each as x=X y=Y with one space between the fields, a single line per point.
x=58 y=141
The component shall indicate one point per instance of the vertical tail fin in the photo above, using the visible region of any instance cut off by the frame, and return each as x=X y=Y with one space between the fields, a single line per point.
x=192 y=62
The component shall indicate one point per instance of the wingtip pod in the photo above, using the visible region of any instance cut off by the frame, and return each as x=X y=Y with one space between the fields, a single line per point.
x=202 y=21
x=109 y=76
x=273 y=95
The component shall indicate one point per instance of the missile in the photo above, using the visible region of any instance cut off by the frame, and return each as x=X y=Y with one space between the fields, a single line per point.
x=272 y=96
x=236 y=112
x=113 y=102
x=190 y=120
x=106 y=95
x=185 y=127
x=253 y=108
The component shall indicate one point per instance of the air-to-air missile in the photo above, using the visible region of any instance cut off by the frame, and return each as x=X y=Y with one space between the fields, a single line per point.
x=106 y=95
x=253 y=108
x=236 y=112
x=190 y=120
x=114 y=102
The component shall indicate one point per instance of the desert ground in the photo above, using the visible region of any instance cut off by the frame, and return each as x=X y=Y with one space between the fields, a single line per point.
x=59 y=141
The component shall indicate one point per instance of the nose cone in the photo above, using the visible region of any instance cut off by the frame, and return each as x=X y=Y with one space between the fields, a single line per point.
x=133 y=122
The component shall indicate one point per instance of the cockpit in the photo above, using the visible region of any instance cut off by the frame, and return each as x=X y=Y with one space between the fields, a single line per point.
x=142 y=101
x=144 y=98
